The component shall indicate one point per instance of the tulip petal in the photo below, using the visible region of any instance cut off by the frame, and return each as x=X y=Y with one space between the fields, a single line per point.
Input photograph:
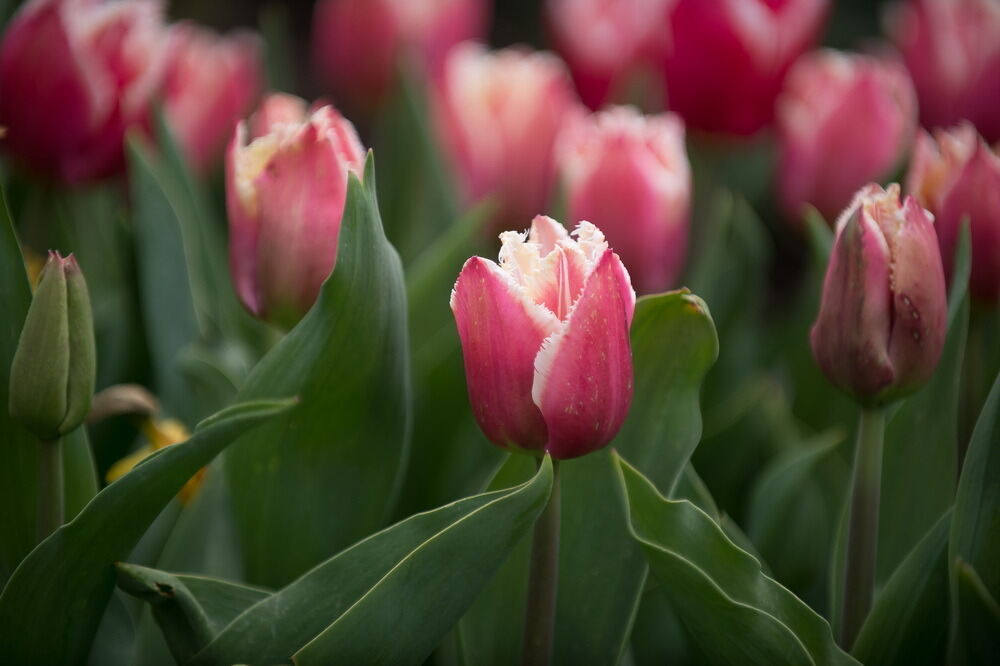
x=583 y=373
x=242 y=229
x=501 y=332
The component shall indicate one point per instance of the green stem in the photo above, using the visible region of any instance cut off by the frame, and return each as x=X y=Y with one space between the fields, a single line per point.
x=862 y=534
x=543 y=582
x=50 y=487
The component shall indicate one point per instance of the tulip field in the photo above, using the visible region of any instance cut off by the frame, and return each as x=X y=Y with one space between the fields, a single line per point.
x=489 y=332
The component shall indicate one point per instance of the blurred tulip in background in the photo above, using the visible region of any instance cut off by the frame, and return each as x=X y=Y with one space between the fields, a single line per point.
x=629 y=174
x=358 y=45
x=285 y=193
x=726 y=59
x=545 y=338
x=843 y=120
x=883 y=313
x=212 y=81
x=952 y=49
x=956 y=176
x=607 y=44
x=498 y=115
x=74 y=76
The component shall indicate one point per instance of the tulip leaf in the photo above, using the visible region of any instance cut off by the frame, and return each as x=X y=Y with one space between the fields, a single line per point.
x=733 y=611
x=327 y=473
x=980 y=616
x=908 y=624
x=974 y=542
x=51 y=606
x=601 y=571
x=388 y=599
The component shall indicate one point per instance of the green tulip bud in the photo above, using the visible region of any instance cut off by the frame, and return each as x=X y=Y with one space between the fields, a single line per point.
x=52 y=374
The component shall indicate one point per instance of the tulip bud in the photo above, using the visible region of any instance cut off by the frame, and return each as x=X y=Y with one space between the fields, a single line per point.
x=952 y=50
x=212 y=82
x=629 y=174
x=882 y=318
x=75 y=75
x=957 y=177
x=498 y=114
x=608 y=42
x=52 y=374
x=545 y=338
x=726 y=59
x=843 y=121
x=285 y=194
x=358 y=44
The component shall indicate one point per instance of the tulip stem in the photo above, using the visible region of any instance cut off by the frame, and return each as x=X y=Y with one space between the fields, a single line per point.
x=50 y=487
x=862 y=535
x=543 y=581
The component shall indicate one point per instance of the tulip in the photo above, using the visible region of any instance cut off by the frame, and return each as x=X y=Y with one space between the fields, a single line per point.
x=882 y=318
x=629 y=174
x=285 y=194
x=608 y=43
x=74 y=76
x=843 y=120
x=727 y=59
x=498 y=115
x=358 y=44
x=212 y=82
x=545 y=338
x=952 y=50
x=159 y=434
x=957 y=177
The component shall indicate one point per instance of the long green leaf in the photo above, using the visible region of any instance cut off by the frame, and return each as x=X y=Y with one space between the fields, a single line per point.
x=51 y=606
x=734 y=612
x=390 y=598
x=980 y=614
x=327 y=473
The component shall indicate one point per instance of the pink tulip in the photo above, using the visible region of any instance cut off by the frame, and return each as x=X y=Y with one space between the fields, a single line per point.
x=952 y=49
x=843 y=120
x=74 y=75
x=212 y=82
x=882 y=318
x=359 y=44
x=285 y=193
x=629 y=174
x=608 y=43
x=727 y=59
x=957 y=177
x=545 y=337
x=498 y=114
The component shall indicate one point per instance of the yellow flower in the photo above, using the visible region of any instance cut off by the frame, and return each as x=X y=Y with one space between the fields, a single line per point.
x=159 y=433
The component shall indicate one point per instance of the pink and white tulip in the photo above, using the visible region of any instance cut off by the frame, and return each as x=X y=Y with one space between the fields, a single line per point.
x=727 y=59
x=843 y=120
x=952 y=49
x=359 y=44
x=545 y=338
x=608 y=43
x=629 y=174
x=956 y=176
x=285 y=194
x=212 y=81
x=498 y=114
x=883 y=315
x=74 y=76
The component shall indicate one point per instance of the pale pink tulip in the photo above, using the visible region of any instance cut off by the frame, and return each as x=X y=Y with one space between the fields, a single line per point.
x=285 y=193
x=629 y=174
x=883 y=315
x=956 y=176
x=545 y=338
x=843 y=120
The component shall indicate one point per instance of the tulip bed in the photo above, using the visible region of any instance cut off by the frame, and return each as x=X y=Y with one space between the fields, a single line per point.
x=634 y=354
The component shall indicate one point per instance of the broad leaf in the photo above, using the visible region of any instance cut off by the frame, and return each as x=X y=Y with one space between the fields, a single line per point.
x=908 y=623
x=980 y=613
x=733 y=611
x=327 y=473
x=393 y=596
x=51 y=606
